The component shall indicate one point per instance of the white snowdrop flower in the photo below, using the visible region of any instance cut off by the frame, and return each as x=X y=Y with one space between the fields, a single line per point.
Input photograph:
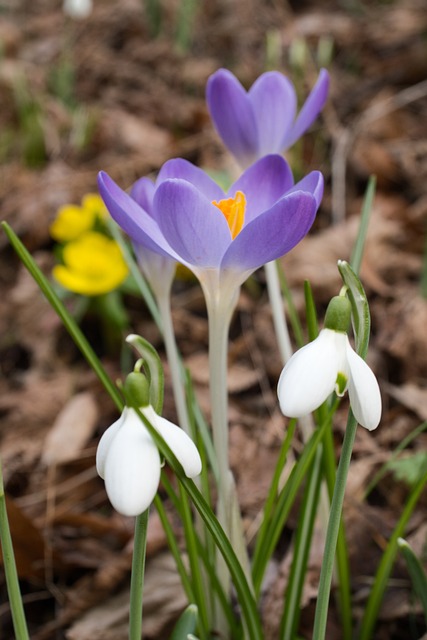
x=77 y=9
x=129 y=461
x=330 y=363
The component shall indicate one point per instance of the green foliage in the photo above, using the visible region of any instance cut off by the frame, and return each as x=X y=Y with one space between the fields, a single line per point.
x=410 y=469
x=30 y=125
x=416 y=571
x=186 y=624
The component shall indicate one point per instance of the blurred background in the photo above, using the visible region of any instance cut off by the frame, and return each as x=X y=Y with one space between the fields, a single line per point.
x=119 y=87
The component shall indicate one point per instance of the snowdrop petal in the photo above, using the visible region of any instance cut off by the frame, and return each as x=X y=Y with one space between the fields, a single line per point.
x=364 y=392
x=104 y=445
x=178 y=441
x=309 y=376
x=132 y=467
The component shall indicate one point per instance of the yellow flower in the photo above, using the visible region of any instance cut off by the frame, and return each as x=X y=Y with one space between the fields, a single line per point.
x=93 y=265
x=92 y=202
x=72 y=220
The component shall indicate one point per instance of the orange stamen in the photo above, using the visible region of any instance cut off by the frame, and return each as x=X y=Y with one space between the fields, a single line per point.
x=234 y=211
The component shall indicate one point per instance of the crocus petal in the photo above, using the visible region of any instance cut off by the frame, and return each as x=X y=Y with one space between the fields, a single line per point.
x=131 y=467
x=195 y=228
x=313 y=183
x=263 y=184
x=178 y=441
x=272 y=234
x=104 y=444
x=232 y=115
x=179 y=168
x=274 y=103
x=309 y=376
x=134 y=220
x=310 y=110
x=364 y=392
x=158 y=270
x=143 y=193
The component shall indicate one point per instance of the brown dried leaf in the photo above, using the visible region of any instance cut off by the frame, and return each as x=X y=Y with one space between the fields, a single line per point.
x=239 y=378
x=28 y=543
x=164 y=599
x=71 y=430
x=411 y=396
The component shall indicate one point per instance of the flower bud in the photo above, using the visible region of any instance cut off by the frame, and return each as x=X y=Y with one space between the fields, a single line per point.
x=137 y=390
x=338 y=314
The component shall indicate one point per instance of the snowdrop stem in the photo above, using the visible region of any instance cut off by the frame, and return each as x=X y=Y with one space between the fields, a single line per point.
x=333 y=530
x=11 y=574
x=279 y=318
x=137 y=577
x=175 y=364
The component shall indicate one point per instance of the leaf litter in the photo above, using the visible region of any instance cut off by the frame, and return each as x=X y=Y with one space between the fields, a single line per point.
x=141 y=101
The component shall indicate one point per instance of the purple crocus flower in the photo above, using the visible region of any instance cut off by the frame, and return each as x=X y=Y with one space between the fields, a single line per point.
x=222 y=237
x=158 y=269
x=263 y=120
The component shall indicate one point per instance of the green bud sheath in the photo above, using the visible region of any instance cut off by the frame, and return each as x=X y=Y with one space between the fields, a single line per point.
x=338 y=314
x=137 y=390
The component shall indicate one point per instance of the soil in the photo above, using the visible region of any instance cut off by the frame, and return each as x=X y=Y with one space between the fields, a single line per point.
x=123 y=91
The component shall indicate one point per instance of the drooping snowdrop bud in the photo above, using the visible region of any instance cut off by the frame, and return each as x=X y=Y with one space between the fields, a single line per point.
x=128 y=459
x=328 y=364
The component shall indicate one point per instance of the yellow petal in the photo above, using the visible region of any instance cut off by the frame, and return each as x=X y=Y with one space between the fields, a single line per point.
x=70 y=222
x=93 y=265
x=94 y=204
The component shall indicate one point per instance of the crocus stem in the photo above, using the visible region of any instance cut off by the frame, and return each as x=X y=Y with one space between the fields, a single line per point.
x=218 y=338
x=13 y=590
x=279 y=318
x=174 y=360
x=325 y=581
x=137 y=577
x=219 y=323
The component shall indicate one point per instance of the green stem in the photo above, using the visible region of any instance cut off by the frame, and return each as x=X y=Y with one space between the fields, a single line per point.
x=174 y=360
x=333 y=530
x=171 y=538
x=136 y=273
x=68 y=322
x=137 y=576
x=303 y=537
x=342 y=562
x=195 y=565
x=377 y=593
x=243 y=588
x=11 y=574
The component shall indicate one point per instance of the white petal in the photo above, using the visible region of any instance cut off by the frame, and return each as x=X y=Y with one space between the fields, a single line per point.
x=364 y=392
x=309 y=376
x=104 y=444
x=132 y=467
x=179 y=442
